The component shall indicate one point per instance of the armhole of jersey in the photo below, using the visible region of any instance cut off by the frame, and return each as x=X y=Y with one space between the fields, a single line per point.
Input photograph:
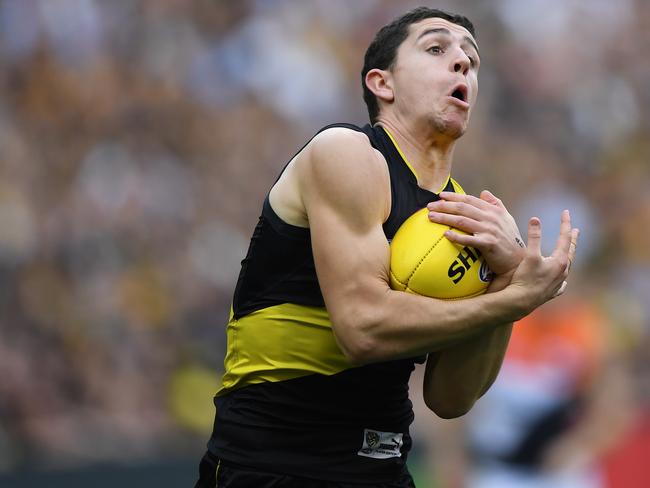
x=279 y=225
x=330 y=126
x=274 y=219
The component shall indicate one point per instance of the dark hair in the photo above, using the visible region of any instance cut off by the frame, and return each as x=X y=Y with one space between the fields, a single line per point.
x=382 y=51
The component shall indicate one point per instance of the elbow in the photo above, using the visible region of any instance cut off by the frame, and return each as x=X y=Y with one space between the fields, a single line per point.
x=449 y=414
x=449 y=409
x=357 y=341
x=359 y=353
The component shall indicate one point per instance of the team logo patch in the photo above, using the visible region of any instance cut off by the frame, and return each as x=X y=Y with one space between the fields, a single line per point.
x=372 y=439
x=381 y=445
x=484 y=273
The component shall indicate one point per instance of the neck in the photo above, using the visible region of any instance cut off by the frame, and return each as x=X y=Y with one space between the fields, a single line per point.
x=429 y=154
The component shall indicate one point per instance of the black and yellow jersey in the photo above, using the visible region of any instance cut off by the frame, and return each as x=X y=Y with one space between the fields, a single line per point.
x=291 y=402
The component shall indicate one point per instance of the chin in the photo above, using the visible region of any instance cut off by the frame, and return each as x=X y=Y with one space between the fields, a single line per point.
x=454 y=129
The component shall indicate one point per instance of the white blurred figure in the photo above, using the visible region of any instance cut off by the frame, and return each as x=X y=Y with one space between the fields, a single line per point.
x=559 y=403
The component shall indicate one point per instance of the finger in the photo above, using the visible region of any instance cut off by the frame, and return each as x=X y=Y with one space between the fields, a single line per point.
x=463 y=239
x=561 y=290
x=458 y=221
x=535 y=236
x=572 y=249
x=564 y=239
x=488 y=196
x=450 y=196
x=457 y=208
x=573 y=245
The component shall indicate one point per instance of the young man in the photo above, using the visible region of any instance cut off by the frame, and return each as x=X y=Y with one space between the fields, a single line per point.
x=320 y=349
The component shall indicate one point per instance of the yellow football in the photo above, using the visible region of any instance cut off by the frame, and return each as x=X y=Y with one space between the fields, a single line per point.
x=423 y=261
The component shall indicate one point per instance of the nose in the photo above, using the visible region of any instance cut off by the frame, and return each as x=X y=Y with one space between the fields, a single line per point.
x=461 y=63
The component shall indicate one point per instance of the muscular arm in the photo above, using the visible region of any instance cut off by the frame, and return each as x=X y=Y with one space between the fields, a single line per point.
x=456 y=377
x=459 y=375
x=345 y=191
x=344 y=186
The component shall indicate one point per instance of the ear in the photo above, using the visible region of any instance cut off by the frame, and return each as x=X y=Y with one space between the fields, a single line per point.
x=380 y=83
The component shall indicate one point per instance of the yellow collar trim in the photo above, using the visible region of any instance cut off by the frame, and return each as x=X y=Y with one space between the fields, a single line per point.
x=399 y=150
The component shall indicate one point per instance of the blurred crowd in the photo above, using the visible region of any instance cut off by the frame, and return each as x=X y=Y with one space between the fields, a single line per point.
x=138 y=138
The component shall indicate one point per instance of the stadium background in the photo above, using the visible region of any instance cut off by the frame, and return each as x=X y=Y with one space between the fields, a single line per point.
x=137 y=139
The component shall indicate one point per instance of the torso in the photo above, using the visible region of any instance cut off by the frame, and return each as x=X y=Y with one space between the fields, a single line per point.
x=289 y=394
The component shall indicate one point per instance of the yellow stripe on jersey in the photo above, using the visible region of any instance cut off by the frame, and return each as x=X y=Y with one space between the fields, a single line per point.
x=280 y=343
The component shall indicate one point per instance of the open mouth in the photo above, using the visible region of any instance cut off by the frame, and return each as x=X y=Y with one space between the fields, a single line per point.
x=460 y=93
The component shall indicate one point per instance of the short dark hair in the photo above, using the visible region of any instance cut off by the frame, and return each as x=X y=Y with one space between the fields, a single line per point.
x=382 y=51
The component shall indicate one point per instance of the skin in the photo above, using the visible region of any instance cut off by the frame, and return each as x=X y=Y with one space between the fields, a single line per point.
x=339 y=187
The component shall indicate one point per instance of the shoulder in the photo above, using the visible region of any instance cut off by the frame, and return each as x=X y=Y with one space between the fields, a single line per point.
x=340 y=142
x=342 y=167
x=343 y=154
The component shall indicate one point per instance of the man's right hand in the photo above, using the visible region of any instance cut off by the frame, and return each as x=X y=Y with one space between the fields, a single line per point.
x=539 y=279
x=488 y=225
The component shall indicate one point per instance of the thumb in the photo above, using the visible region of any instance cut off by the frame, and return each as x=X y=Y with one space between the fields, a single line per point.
x=488 y=196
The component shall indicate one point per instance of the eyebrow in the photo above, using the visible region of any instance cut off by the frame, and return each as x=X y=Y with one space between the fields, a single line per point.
x=447 y=32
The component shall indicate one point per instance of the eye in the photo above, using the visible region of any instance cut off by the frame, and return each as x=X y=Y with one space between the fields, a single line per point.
x=473 y=60
x=435 y=50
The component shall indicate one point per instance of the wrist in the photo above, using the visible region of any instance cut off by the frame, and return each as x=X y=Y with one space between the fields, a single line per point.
x=500 y=281
x=518 y=302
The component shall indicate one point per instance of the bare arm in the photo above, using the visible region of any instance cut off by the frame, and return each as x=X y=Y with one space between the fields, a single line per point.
x=344 y=186
x=456 y=377
x=460 y=374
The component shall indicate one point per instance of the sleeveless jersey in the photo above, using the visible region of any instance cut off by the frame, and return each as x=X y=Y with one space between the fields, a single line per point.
x=291 y=402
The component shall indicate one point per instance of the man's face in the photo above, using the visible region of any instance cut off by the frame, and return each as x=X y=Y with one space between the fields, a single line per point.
x=435 y=76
